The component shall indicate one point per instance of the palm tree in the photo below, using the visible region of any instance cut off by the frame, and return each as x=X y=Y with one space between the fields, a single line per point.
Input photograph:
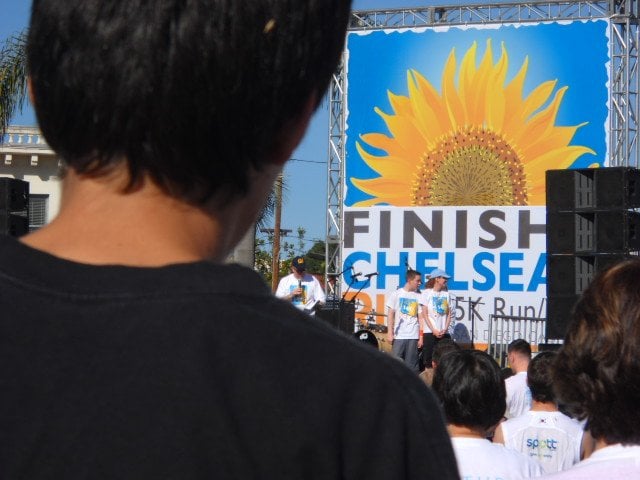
x=13 y=78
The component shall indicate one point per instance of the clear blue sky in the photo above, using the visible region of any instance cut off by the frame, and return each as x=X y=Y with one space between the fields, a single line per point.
x=305 y=176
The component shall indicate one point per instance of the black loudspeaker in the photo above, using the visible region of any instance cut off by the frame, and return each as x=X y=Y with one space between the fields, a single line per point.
x=593 y=189
x=617 y=231
x=14 y=194
x=559 y=310
x=617 y=187
x=571 y=274
x=549 y=347
x=609 y=231
x=341 y=316
x=13 y=224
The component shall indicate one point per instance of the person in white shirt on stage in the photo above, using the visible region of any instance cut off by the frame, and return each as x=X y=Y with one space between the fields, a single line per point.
x=403 y=321
x=470 y=388
x=436 y=313
x=597 y=373
x=301 y=288
x=543 y=433
x=518 y=393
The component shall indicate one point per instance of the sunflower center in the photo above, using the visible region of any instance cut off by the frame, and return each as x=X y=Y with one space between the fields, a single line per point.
x=472 y=166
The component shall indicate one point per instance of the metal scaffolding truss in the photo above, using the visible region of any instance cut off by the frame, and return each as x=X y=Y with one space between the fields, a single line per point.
x=622 y=142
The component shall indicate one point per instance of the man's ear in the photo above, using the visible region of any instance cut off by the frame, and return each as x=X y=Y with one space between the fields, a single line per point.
x=293 y=132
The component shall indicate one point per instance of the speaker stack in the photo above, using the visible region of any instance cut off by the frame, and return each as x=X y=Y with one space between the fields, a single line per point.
x=14 y=207
x=591 y=224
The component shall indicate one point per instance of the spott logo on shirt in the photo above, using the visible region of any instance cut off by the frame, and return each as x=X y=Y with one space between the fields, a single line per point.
x=544 y=444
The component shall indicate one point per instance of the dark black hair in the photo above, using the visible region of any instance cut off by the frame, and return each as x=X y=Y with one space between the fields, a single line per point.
x=597 y=372
x=540 y=377
x=471 y=390
x=194 y=93
x=520 y=346
x=443 y=347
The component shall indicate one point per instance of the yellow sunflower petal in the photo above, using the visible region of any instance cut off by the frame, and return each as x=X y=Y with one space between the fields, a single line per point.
x=482 y=138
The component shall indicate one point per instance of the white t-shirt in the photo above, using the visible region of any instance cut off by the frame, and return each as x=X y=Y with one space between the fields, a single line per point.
x=478 y=458
x=614 y=461
x=552 y=438
x=406 y=306
x=312 y=291
x=438 y=308
x=518 y=395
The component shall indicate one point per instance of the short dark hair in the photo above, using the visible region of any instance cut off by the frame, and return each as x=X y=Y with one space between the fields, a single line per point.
x=411 y=274
x=196 y=94
x=520 y=346
x=597 y=372
x=540 y=377
x=471 y=390
x=443 y=347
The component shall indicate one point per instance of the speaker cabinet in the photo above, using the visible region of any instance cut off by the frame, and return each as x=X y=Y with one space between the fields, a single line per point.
x=13 y=224
x=341 y=315
x=617 y=188
x=14 y=194
x=559 y=311
x=609 y=231
x=571 y=274
x=607 y=188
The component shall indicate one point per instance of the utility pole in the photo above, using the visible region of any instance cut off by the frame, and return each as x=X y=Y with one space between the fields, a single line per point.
x=277 y=233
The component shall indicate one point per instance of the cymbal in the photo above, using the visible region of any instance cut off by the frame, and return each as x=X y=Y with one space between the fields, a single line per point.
x=376 y=314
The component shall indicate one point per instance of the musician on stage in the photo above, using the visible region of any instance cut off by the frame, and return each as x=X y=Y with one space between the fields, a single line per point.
x=301 y=288
x=403 y=321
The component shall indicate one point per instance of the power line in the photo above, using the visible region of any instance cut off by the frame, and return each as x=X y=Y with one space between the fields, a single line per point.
x=307 y=161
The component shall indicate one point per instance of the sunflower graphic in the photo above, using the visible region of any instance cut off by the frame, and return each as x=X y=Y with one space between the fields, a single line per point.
x=478 y=143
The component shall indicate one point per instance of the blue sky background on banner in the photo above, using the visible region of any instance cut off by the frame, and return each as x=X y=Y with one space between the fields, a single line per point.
x=576 y=54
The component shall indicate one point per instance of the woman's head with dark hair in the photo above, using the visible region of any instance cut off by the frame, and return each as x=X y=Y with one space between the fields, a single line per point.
x=540 y=377
x=471 y=390
x=597 y=372
x=197 y=96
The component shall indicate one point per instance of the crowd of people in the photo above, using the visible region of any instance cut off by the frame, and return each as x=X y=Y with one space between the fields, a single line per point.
x=567 y=415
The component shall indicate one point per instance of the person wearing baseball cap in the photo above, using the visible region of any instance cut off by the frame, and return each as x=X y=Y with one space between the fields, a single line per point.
x=301 y=288
x=436 y=313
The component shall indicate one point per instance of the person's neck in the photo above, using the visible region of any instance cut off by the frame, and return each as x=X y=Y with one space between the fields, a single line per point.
x=520 y=366
x=100 y=224
x=462 y=431
x=537 y=406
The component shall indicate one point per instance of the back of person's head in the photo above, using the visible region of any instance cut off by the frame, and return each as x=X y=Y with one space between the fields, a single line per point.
x=471 y=390
x=443 y=347
x=195 y=94
x=597 y=372
x=540 y=377
x=520 y=347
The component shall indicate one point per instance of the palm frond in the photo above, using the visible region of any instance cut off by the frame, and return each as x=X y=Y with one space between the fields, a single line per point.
x=13 y=78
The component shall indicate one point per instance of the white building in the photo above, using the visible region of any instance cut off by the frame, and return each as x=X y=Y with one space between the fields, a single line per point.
x=25 y=155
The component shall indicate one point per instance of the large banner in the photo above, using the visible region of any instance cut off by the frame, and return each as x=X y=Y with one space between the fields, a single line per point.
x=449 y=133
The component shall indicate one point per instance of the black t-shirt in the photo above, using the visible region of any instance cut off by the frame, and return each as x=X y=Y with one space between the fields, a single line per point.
x=194 y=371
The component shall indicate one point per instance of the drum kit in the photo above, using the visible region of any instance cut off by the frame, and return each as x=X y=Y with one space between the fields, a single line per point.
x=371 y=332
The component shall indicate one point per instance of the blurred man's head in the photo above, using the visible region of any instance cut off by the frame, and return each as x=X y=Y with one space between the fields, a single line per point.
x=597 y=372
x=471 y=390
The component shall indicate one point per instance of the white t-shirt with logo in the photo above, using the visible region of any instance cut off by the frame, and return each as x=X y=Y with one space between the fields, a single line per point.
x=312 y=291
x=478 y=458
x=438 y=307
x=552 y=438
x=518 y=395
x=406 y=306
x=614 y=461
